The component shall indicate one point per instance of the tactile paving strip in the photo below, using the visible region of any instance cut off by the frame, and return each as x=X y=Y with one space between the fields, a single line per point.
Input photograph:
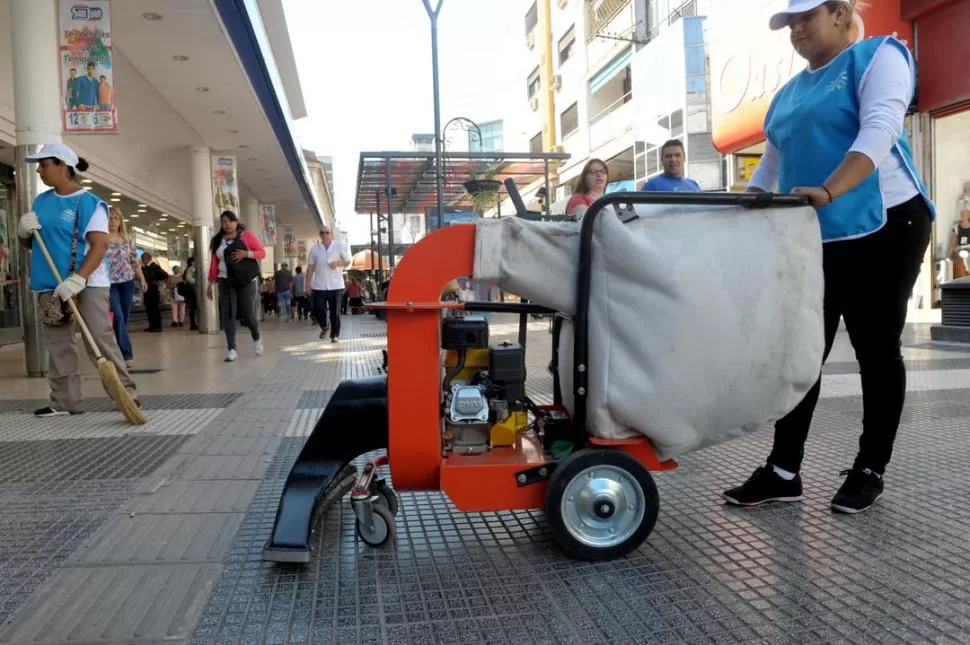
x=313 y=399
x=85 y=459
x=150 y=402
x=708 y=574
x=26 y=427
x=42 y=524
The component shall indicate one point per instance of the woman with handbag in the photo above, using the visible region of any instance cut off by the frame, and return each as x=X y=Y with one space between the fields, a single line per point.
x=123 y=269
x=73 y=225
x=235 y=255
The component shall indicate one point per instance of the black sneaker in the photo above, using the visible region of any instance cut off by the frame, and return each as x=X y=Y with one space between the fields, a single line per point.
x=765 y=485
x=43 y=413
x=861 y=489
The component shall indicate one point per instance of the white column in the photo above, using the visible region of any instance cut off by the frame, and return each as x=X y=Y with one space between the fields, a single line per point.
x=204 y=227
x=250 y=218
x=37 y=101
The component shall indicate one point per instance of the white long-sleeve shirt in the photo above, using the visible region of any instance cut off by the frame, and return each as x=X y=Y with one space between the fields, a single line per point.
x=884 y=95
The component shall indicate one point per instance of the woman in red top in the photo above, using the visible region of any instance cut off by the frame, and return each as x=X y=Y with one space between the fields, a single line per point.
x=591 y=186
x=235 y=265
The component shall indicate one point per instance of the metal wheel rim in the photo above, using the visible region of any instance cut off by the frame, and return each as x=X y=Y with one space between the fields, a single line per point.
x=379 y=534
x=596 y=488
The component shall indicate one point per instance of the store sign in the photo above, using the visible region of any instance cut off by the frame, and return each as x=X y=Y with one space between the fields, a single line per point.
x=750 y=64
x=225 y=186
x=267 y=219
x=86 y=66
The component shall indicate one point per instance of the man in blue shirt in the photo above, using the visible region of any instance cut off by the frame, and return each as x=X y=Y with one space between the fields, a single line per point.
x=672 y=179
x=86 y=89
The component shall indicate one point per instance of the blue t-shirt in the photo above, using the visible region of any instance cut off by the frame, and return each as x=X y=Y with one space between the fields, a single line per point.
x=665 y=184
x=86 y=91
x=56 y=215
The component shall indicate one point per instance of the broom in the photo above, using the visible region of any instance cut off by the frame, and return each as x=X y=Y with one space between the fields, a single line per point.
x=106 y=369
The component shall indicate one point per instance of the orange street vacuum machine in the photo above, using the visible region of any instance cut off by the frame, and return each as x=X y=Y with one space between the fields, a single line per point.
x=465 y=426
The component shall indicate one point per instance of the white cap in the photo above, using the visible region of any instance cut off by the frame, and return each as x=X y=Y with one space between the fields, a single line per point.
x=780 y=20
x=55 y=151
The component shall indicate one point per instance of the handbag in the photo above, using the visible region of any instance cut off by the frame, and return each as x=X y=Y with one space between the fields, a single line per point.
x=53 y=311
x=241 y=273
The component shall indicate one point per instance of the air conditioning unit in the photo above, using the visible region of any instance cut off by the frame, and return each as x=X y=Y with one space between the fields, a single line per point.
x=557 y=82
x=562 y=3
x=534 y=103
x=530 y=39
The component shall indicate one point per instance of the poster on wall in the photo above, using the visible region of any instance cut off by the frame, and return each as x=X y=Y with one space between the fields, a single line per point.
x=225 y=190
x=86 y=66
x=267 y=218
x=301 y=251
x=289 y=242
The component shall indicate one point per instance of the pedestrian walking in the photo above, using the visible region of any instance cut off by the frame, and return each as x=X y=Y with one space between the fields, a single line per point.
x=848 y=109
x=324 y=273
x=124 y=270
x=235 y=268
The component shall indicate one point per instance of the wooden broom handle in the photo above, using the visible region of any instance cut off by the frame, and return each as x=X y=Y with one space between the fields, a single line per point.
x=77 y=314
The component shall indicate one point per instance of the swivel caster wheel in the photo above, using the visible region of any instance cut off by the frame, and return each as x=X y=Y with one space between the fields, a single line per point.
x=601 y=504
x=385 y=496
x=381 y=529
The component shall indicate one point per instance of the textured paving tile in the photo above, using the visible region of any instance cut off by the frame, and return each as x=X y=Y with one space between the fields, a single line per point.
x=225 y=467
x=99 y=458
x=24 y=427
x=708 y=574
x=149 y=402
x=222 y=496
x=153 y=538
x=113 y=605
x=314 y=399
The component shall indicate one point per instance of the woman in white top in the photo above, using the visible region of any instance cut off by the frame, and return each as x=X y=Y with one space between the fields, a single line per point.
x=835 y=134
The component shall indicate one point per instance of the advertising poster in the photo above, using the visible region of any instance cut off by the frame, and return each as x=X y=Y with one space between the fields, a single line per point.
x=289 y=242
x=87 y=70
x=225 y=189
x=267 y=217
x=301 y=251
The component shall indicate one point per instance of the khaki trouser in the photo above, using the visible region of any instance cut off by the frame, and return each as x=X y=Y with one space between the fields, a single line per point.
x=65 y=380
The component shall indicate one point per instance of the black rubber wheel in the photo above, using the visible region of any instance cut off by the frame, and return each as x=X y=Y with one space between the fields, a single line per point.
x=387 y=497
x=383 y=530
x=601 y=504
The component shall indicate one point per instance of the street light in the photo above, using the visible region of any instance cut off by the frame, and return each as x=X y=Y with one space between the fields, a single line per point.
x=433 y=16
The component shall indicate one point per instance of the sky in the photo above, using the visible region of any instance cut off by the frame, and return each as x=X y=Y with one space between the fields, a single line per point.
x=365 y=69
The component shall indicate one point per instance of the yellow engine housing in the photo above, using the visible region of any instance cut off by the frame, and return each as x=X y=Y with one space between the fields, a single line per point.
x=504 y=432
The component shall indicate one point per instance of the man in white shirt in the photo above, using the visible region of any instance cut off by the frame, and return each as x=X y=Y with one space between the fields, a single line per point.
x=326 y=280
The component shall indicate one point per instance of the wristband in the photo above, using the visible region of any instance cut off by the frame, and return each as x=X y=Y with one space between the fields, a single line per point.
x=249 y=254
x=828 y=192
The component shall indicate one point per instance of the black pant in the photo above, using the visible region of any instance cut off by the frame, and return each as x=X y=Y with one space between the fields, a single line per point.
x=874 y=305
x=237 y=303
x=153 y=307
x=191 y=305
x=324 y=300
x=302 y=305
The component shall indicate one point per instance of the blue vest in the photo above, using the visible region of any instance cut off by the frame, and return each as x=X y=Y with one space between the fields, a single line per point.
x=56 y=215
x=813 y=121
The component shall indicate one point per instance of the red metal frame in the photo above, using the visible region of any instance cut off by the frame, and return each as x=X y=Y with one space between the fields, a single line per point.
x=472 y=482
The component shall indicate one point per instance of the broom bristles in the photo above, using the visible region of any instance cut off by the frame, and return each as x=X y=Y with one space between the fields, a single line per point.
x=116 y=390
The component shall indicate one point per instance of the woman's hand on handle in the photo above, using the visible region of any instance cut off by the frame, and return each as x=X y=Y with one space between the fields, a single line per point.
x=820 y=196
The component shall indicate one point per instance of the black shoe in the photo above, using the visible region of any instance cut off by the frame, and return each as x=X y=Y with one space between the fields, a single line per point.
x=54 y=412
x=860 y=490
x=765 y=485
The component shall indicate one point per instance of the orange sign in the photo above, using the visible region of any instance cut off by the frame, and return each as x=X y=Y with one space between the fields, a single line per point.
x=750 y=65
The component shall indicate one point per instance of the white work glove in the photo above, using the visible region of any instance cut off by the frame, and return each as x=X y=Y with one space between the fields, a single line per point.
x=71 y=287
x=27 y=225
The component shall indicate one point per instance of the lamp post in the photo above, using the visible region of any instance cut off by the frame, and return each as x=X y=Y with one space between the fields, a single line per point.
x=433 y=16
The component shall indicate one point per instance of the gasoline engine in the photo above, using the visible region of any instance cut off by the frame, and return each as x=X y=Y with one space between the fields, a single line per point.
x=484 y=402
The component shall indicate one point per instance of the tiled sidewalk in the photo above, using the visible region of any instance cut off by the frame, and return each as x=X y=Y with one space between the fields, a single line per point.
x=114 y=535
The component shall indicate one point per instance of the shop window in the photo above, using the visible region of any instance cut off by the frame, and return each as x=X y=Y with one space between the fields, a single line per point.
x=567 y=45
x=534 y=82
x=569 y=120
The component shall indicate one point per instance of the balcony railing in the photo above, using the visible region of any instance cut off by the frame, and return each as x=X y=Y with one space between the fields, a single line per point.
x=601 y=12
x=612 y=122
